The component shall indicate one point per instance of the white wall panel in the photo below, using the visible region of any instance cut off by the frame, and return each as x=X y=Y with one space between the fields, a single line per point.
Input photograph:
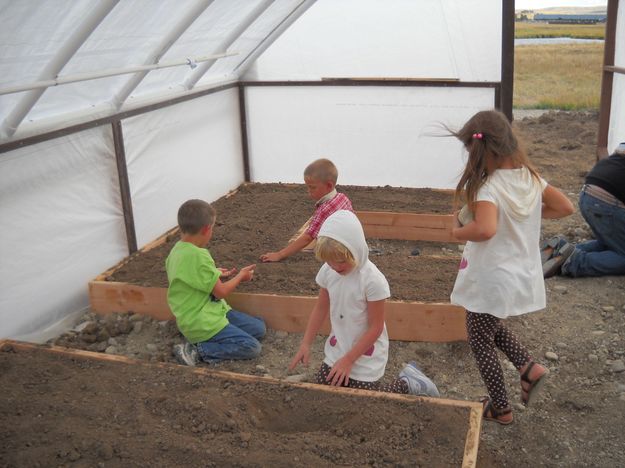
x=377 y=38
x=190 y=150
x=62 y=225
x=375 y=135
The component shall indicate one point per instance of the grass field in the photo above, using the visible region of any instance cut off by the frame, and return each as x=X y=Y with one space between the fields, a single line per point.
x=564 y=76
x=558 y=76
x=523 y=30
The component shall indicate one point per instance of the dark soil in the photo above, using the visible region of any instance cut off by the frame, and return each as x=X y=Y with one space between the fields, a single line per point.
x=70 y=411
x=263 y=217
x=578 y=419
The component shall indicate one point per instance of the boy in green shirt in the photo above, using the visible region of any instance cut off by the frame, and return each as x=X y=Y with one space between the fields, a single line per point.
x=196 y=295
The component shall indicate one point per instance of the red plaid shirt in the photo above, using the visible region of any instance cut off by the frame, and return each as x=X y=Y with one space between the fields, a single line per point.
x=325 y=209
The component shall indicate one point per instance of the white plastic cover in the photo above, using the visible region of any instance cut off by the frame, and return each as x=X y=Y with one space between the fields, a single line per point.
x=375 y=136
x=616 y=131
x=63 y=221
x=62 y=224
x=190 y=150
x=32 y=32
x=377 y=38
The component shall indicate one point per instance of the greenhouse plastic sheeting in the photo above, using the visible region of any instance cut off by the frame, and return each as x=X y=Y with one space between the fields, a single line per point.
x=376 y=136
x=190 y=150
x=380 y=38
x=130 y=33
x=61 y=225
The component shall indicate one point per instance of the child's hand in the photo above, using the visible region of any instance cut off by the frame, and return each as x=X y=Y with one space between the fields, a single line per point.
x=225 y=272
x=247 y=273
x=303 y=356
x=339 y=374
x=271 y=257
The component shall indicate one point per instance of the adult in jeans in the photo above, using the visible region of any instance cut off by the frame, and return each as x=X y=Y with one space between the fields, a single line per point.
x=602 y=204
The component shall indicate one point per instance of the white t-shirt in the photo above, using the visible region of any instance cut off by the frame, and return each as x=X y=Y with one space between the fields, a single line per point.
x=348 y=317
x=503 y=275
x=348 y=299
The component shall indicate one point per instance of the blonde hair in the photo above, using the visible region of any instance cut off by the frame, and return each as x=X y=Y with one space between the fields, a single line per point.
x=328 y=249
x=193 y=215
x=488 y=134
x=322 y=170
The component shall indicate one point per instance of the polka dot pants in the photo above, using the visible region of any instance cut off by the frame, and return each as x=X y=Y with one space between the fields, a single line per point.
x=486 y=333
x=396 y=386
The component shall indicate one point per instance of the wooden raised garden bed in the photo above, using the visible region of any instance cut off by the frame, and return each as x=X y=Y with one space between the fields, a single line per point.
x=90 y=408
x=407 y=320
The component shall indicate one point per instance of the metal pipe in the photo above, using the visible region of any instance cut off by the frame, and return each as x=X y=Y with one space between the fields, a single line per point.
x=56 y=64
x=227 y=41
x=73 y=122
x=298 y=11
x=161 y=48
x=112 y=72
x=620 y=70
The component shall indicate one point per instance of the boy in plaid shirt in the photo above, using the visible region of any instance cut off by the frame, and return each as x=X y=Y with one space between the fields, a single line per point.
x=320 y=177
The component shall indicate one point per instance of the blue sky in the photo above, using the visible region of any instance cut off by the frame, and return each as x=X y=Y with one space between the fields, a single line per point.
x=537 y=4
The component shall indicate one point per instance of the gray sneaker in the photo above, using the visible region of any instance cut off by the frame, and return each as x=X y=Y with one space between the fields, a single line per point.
x=418 y=382
x=553 y=266
x=186 y=354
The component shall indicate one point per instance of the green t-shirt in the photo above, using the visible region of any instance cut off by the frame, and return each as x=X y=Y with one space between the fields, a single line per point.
x=192 y=275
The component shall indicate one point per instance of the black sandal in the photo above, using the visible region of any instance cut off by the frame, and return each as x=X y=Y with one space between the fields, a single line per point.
x=534 y=385
x=490 y=413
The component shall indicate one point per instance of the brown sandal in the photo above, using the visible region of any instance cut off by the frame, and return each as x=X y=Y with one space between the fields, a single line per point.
x=534 y=385
x=490 y=413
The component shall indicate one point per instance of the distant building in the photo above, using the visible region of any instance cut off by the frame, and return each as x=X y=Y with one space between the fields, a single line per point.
x=524 y=15
x=570 y=19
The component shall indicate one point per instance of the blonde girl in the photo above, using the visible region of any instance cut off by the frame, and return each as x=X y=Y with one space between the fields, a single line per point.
x=500 y=274
x=352 y=293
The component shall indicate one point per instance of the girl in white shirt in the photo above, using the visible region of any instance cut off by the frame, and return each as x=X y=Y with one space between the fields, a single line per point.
x=352 y=292
x=500 y=274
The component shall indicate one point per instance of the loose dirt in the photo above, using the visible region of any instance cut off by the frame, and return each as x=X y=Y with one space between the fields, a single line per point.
x=138 y=415
x=578 y=419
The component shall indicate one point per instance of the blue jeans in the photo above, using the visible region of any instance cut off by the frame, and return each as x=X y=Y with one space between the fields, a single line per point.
x=238 y=340
x=605 y=255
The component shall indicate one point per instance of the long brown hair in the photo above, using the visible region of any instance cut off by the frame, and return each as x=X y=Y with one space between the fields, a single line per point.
x=486 y=134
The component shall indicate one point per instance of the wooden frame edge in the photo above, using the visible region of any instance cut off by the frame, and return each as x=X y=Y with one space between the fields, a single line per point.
x=405 y=321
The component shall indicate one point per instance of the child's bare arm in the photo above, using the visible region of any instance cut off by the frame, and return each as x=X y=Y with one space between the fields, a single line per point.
x=222 y=289
x=556 y=204
x=339 y=374
x=295 y=246
x=483 y=226
x=315 y=321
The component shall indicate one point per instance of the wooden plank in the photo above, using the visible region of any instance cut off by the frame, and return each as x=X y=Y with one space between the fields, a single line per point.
x=471 y=445
x=408 y=233
x=416 y=220
x=111 y=297
x=400 y=226
x=405 y=321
